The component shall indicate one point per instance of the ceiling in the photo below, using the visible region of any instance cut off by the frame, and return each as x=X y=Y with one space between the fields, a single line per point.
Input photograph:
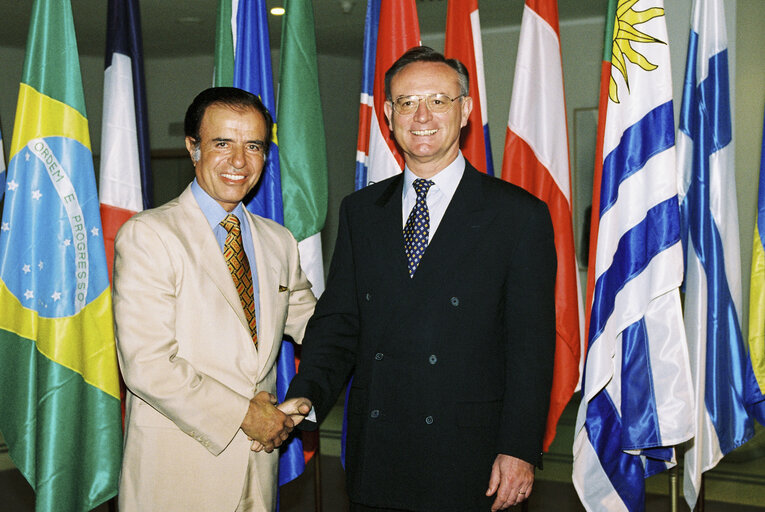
x=187 y=27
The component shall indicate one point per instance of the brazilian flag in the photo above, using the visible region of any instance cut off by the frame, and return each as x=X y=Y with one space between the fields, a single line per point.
x=59 y=388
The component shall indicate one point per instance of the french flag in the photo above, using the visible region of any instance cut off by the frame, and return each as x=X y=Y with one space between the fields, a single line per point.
x=125 y=170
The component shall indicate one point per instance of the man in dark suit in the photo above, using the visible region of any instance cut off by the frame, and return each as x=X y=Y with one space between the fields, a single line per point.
x=440 y=303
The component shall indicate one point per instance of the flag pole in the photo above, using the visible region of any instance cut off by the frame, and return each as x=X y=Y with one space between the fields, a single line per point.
x=674 y=477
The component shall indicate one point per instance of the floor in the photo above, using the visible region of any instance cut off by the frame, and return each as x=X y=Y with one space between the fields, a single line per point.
x=737 y=484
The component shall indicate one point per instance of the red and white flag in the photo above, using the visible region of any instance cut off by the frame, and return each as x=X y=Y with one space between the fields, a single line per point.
x=125 y=172
x=392 y=27
x=463 y=42
x=536 y=159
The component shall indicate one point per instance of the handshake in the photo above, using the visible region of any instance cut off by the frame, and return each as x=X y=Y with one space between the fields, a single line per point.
x=268 y=424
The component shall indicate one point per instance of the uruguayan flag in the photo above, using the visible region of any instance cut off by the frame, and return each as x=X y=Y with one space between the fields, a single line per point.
x=710 y=235
x=636 y=392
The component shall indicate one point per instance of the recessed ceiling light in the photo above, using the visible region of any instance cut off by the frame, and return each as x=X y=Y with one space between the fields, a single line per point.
x=277 y=11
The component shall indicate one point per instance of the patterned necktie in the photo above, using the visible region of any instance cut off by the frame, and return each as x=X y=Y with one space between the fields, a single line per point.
x=417 y=226
x=236 y=259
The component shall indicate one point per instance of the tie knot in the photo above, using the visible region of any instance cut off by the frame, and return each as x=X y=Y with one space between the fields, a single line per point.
x=230 y=222
x=422 y=186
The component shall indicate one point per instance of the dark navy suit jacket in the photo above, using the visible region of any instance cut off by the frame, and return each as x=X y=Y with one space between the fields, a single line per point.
x=451 y=367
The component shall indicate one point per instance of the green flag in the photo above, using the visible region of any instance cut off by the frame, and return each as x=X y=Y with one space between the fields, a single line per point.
x=302 y=148
x=223 y=75
x=59 y=387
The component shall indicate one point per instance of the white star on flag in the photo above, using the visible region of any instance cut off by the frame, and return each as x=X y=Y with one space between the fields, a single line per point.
x=26 y=156
x=56 y=296
x=36 y=194
x=26 y=269
x=40 y=265
x=29 y=294
x=12 y=185
x=67 y=242
x=94 y=231
x=6 y=226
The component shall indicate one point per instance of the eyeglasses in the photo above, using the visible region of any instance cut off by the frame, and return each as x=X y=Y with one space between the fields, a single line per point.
x=438 y=103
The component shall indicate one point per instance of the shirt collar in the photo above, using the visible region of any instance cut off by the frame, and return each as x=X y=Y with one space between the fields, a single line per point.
x=214 y=213
x=446 y=180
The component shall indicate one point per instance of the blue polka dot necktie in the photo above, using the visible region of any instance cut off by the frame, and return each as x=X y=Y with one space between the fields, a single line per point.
x=236 y=259
x=417 y=226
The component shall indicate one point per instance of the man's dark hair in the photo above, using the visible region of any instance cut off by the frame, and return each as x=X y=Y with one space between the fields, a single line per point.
x=232 y=97
x=426 y=54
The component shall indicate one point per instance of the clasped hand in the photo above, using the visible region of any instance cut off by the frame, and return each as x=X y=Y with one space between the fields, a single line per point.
x=268 y=425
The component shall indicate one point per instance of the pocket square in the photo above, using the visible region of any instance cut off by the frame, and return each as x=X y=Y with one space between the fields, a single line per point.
x=282 y=288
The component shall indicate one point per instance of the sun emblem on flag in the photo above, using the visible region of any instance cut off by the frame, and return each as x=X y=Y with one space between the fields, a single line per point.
x=624 y=34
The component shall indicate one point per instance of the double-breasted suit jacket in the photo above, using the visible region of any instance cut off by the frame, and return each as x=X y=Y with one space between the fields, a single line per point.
x=189 y=362
x=451 y=367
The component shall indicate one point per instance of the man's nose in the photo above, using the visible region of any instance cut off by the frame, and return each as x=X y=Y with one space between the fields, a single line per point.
x=422 y=113
x=237 y=157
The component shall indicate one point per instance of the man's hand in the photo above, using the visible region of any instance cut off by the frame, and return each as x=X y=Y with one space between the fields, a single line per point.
x=265 y=424
x=511 y=479
x=295 y=408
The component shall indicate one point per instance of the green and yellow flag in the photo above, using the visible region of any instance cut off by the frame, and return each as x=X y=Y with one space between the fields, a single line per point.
x=59 y=388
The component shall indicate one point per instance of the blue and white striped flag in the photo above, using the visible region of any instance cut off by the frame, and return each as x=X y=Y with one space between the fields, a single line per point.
x=711 y=239
x=636 y=390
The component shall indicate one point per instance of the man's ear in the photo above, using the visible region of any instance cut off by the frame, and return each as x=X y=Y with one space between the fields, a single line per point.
x=193 y=148
x=467 y=108
x=388 y=109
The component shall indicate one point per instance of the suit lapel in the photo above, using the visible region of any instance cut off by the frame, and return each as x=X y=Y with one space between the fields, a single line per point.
x=205 y=249
x=461 y=227
x=386 y=232
x=267 y=267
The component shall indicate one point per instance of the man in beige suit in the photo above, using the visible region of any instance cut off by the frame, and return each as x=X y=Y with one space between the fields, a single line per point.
x=198 y=358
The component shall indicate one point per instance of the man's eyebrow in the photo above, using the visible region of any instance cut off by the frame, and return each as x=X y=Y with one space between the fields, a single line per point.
x=225 y=139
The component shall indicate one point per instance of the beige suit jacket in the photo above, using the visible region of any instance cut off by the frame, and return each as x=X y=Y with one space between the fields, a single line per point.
x=188 y=360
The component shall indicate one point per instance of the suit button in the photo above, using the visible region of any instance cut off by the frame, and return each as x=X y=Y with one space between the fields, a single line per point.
x=368 y=297
x=378 y=356
x=455 y=301
x=429 y=420
x=375 y=414
x=433 y=359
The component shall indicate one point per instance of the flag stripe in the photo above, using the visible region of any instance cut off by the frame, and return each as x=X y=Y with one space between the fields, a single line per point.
x=536 y=159
x=639 y=143
x=398 y=30
x=367 y=93
x=635 y=250
x=463 y=42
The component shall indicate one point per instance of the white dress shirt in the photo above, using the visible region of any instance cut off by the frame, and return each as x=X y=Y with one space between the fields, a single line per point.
x=439 y=196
